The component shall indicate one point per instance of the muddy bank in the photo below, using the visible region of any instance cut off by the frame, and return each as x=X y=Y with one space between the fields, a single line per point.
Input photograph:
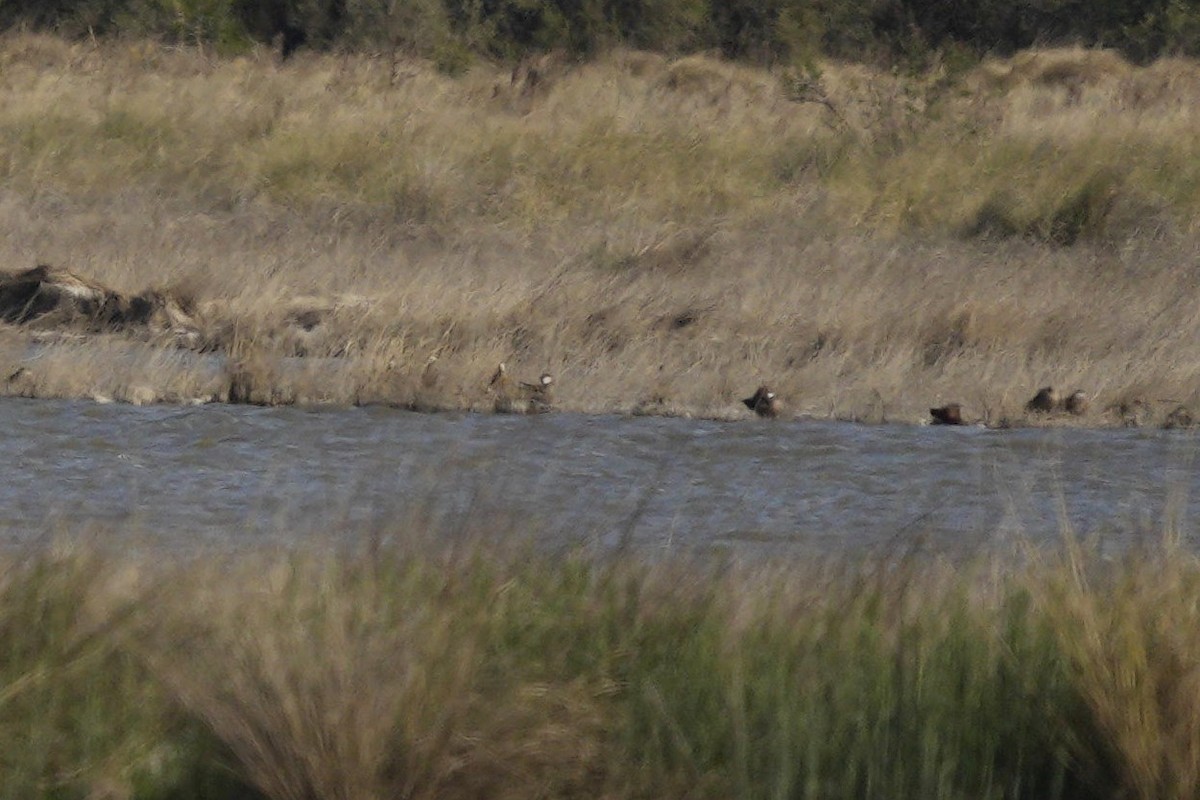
x=106 y=367
x=142 y=374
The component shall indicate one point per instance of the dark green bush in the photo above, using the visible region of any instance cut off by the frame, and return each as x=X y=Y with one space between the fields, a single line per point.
x=764 y=31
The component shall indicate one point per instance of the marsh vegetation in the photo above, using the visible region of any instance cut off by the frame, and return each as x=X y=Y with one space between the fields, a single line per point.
x=661 y=235
x=466 y=671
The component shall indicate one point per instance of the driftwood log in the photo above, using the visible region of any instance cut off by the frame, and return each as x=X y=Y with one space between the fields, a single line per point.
x=55 y=298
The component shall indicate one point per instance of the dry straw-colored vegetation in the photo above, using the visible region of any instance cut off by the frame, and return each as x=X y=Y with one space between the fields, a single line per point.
x=464 y=673
x=661 y=235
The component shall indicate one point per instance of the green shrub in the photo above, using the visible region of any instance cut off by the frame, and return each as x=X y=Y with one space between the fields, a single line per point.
x=765 y=31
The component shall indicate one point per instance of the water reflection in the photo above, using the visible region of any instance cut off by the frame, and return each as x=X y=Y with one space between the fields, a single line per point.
x=236 y=475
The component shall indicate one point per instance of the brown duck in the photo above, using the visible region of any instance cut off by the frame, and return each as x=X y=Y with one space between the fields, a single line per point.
x=764 y=403
x=526 y=398
x=539 y=397
x=949 y=414
x=1076 y=403
x=499 y=381
x=1045 y=401
x=501 y=387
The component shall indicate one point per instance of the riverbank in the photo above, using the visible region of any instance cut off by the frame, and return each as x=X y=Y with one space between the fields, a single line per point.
x=463 y=670
x=661 y=236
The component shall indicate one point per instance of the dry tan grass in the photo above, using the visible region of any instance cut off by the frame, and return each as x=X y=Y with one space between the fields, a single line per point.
x=323 y=682
x=662 y=236
x=1129 y=633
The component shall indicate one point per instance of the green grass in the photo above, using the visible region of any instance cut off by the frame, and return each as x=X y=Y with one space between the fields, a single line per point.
x=79 y=711
x=469 y=674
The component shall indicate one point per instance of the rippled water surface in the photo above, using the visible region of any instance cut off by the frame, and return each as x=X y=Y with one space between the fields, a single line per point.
x=231 y=475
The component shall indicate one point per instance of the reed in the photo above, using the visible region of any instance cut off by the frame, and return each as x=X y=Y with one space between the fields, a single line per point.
x=79 y=713
x=1126 y=633
x=464 y=671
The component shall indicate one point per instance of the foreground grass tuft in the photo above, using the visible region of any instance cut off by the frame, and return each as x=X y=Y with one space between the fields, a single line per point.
x=311 y=675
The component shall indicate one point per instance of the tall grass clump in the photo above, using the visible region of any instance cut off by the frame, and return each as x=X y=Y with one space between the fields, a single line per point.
x=1128 y=633
x=334 y=678
x=576 y=679
x=69 y=701
x=859 y=686
x=337 y=676
x=80 y=715
x=454 y=672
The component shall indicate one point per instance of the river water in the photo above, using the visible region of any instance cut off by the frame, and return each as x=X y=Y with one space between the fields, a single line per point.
x=228 y=476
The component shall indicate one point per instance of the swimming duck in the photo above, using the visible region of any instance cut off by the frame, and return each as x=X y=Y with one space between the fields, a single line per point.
x=542 y=386
x=949 y=414
x=764 y=403
x=539 y=397
x=526 y=398
x=1131 y=413
x=1076 y=403
x=1046 y=400
x=1181 y=417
